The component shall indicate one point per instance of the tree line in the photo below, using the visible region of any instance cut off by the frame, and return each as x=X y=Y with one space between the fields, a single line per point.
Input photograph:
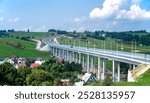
x=58 y=31
x=128 y=37
x=140 y=37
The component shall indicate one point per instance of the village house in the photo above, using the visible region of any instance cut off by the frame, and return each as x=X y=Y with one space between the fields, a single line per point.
x=59 y=60
x=37 y=63
x=17 y=62
x=65 y=82
x=86 y=79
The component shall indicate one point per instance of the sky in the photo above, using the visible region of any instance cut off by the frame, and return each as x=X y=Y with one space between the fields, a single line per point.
x=79 y=15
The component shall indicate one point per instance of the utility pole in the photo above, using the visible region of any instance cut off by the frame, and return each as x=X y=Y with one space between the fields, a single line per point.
x=94 y=45
x=117 y=46
x=87 y=43
x=74 y=42
x=132 y=48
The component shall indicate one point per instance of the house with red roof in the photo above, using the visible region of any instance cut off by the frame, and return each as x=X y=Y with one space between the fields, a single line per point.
x=35 y=65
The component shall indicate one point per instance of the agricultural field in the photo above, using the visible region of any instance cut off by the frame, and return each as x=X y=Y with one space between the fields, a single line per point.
x=16 y=47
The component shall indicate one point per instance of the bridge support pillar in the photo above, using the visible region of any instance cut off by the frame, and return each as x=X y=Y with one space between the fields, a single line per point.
x=59 y=53
x=79 y=58
x=91 y=66
x=134 y=66
x=63 y=54
x=130 y=67
x=83 y=63
x=94 y=63
x=103 y=69
x=118 y=67
x=76 y=58
x=52 y=50
x=88 y=60
x=73 y=57
x=67 y=56
x=113 y=71
x=56 y=52
x=70 y=56
x=99 y=69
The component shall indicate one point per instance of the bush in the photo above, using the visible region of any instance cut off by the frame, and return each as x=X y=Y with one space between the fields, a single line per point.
x=108 y=80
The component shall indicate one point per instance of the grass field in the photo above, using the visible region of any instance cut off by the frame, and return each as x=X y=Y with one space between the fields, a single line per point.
x=28 y=49
x=37 y=35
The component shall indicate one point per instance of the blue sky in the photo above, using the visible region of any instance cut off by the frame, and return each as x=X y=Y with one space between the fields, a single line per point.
x=80 y=15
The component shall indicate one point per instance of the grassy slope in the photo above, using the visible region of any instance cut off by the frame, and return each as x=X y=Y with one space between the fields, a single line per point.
x=29 y=50
x=143 y=80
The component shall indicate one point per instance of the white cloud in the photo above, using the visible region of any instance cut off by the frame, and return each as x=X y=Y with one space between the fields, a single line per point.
x=110 y=8
x=14 y=19
x=76 y=20
x=135 y=12
x=1 y=19
x=81 y=19
x=41 y=29
x=115 y=9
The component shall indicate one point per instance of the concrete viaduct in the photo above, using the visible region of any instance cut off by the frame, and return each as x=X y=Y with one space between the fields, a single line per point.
x=85 y=56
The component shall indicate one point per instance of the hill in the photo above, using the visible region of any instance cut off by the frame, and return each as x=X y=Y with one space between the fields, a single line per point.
x=11 y=46
x=36 y=35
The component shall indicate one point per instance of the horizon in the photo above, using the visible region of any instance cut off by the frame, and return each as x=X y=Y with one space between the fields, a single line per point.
x=7 y=30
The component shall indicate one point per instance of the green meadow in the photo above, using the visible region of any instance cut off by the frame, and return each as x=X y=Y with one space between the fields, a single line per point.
x=16 y=47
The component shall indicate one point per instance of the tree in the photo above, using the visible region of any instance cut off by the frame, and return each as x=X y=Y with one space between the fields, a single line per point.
x=74 y=32
x=39 y=78
x=97 y=33
x=107 y=80
x=52 y=30
x=8 y=74
x=22 y=74
x=12 y=30
x=28 y=30
x=19 y=46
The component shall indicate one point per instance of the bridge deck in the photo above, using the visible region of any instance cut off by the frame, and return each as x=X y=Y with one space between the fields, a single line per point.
x=127 y=57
